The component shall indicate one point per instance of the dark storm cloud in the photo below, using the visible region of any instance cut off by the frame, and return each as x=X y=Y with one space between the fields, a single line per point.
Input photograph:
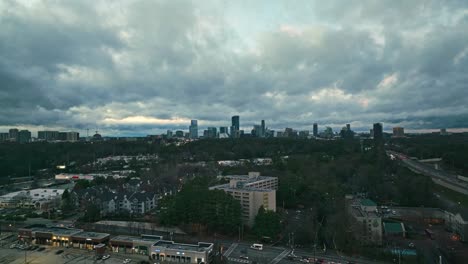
x=149 y=66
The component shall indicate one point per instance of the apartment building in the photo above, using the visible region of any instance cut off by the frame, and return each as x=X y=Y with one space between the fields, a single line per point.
x=252 y=191
x=110 y=201
x=365 y=222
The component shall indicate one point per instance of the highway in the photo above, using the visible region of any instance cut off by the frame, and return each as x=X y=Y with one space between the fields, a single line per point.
x=439 y=177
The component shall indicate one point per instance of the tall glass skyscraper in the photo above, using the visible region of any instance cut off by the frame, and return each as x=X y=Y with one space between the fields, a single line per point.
x=193 y=129
x=235 y=122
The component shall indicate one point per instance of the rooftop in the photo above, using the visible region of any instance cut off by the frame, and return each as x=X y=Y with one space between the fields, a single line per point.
x=368 y=202
x=141 y=225
x=35 y=194
x=393 y=227
x=200 y=247
x=91 y=235
x=58 y=231
x=244 y=182
x=135 y=238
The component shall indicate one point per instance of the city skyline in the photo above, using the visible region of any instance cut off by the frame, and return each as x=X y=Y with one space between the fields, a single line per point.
x=132 y=68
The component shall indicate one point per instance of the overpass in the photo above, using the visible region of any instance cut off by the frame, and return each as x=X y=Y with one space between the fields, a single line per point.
x=442 y=178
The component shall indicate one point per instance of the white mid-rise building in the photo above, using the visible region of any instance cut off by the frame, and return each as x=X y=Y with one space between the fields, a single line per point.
x=42 y=199
x=252 y=191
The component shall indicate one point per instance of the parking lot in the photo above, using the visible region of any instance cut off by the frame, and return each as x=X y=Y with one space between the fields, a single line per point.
x=50 y=255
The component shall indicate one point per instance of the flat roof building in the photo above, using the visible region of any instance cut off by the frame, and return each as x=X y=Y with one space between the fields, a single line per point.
x=133 y=244
x=252 y=191
x=398 y=132
x=40 y=198
x=366 y=224
x=60 y=236
x=169 y=251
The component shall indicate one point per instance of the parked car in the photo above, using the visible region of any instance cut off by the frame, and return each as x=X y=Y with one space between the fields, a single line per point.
x=41 y=249
x=243 y=257
x=60 y=251
x=105 y=257
x=126 y=261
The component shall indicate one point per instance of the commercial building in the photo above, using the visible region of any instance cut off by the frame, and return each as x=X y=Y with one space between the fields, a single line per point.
x=378 y=132
x=457 y=220
x=315 y=130
x=133 y=244
x=172 y=252
x=24 y=136
x=263 y=129
x=223 y=130
x=252 y=191
x=443 y=132
x=235 y=120
x=211 y=132
x=72 y=136
x=179 y=133
x=365 y=222
x=62 y=237
x=5 y=136
x=398 y=132
x=193 y=129
x=41 y=199
x=304 y=134
x=48 y=135
x=235 y=126
x=90 y=177
x=14 y=134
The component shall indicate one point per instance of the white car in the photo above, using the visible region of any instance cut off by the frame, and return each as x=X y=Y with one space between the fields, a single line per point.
x=126 y=261
x=105 y=257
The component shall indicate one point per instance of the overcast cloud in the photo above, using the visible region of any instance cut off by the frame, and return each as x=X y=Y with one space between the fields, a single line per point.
x=142 y=67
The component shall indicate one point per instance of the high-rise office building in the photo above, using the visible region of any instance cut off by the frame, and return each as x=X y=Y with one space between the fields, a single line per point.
x=14 y=134
x=236 y=122
x=398 y=132
x=235 y=133
x=211 y=132
x=24 y=136
x=223 y=130
x=348 y=127
x=48 y=135
x=378 y=131
x=303 y=134
x=256 y=131
x=315 y=129
x=193 y=129
x=62 y=136
x=179 y=133
x=169 y=134
x=262 y=129
x=4 y=136
x=73 y=136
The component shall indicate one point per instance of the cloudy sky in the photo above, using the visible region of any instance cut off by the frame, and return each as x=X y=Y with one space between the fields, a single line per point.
x=142 y=67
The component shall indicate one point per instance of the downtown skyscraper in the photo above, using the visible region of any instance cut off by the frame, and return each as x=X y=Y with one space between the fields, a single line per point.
x=193 y=129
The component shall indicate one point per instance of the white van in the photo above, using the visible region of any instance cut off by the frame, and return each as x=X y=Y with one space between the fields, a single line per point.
x=257 y=246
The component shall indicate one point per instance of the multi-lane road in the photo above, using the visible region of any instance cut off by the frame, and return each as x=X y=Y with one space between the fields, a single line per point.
x=439 y=177
x=242 y=253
